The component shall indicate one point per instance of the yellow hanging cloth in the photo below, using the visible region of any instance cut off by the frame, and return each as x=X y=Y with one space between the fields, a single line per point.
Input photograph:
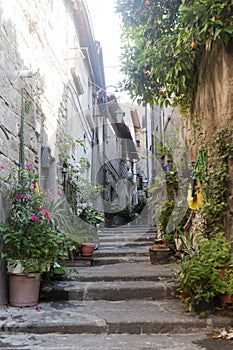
x=36 y=187
x=195 y=203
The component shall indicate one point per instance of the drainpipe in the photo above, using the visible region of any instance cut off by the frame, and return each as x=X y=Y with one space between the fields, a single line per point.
x=3 y=276
x=21 y=145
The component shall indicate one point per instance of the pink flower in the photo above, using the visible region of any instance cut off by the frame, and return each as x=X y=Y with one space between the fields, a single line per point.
x=18 y=197
x=2 y=167
x=34 y=218
x=43 y=212
x=48 y=191
x=28 y=166
x=46 y=247
x=61 y=244
x=24 y=196
x=48 y=217
x=37 y=308
x=59 y=192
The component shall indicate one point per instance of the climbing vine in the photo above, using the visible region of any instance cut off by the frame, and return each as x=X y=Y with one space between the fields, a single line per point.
x=163 y=45
x=215 y=181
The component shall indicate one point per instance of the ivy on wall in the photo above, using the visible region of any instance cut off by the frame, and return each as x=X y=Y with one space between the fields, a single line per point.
x=215 y=182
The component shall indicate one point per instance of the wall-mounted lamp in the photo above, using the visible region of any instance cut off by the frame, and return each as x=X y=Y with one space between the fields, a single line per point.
x=119 y=115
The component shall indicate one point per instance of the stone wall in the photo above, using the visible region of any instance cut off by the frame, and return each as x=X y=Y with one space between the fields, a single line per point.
x=37 y=36
x=213 y=108
x=40 y=36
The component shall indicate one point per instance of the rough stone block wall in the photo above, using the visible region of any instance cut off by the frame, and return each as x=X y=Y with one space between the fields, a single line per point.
x=213 y=108
x=34 y=36
x=214 y=100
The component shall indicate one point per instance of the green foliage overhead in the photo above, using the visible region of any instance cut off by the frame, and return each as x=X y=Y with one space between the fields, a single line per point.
x=163 y=42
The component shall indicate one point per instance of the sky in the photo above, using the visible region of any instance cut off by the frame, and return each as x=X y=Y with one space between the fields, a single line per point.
x=106 y=26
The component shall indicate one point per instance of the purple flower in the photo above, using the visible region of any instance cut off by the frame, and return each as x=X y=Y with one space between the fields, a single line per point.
x=18 y=197
x=34 y=218
x=28 y=166
x=48 y=217
x=2 y=167
x=46 y=247
x=38 y=308
x=61 y=244
x=43 y=212
x=24 y=196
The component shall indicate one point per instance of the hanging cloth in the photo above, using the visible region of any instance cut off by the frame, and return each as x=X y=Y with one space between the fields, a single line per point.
x=200 y=174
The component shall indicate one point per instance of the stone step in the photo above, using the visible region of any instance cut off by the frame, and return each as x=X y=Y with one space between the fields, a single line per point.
x=114 y=244
x=127 y=231
x=128 y=228
x=125 y=238
x=142 y=271
x=109 y=317
x=56 y=341
x=109 y=260
x=112 y=291
x=121 y=251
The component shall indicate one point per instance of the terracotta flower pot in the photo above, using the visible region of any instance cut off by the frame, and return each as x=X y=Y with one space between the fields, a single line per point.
x=228 y=299
x=23 y=289
x=87 y=249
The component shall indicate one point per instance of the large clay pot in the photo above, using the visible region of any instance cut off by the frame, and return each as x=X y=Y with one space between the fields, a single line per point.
x=23 y=289
x=159 y=256
x=87 y=249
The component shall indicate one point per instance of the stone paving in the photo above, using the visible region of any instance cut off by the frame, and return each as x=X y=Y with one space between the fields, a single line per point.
x=113 y=304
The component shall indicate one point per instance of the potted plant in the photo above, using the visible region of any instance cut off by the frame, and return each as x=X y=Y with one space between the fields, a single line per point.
x=31 y=241
x=202 y=282
x=199 y=272
x=159 y=251
x=227 y=297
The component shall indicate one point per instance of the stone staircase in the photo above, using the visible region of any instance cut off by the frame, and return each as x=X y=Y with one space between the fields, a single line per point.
x=121 y=301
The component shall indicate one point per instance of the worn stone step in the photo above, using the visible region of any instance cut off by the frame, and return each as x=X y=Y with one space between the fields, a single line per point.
x=142 y=271
x=114 y=244
x=108 y=260
x=120 y=290
x=126 y=237
x=118 y=317
x=121 y=251
x=128 y=228
x=55 y=341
